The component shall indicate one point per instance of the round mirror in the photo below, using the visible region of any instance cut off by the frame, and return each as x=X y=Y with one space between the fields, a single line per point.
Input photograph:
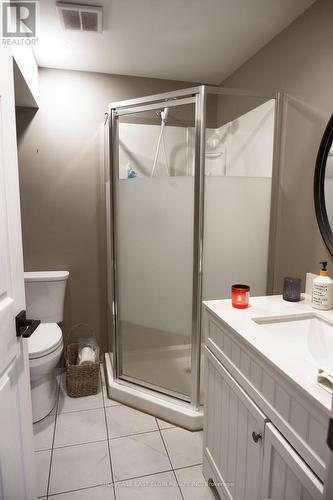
x=323 y=186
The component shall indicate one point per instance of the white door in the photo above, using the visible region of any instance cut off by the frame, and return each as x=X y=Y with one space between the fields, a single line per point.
x=17 y=480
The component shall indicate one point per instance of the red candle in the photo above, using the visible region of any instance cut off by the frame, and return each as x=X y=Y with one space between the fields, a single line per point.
x=240 y=295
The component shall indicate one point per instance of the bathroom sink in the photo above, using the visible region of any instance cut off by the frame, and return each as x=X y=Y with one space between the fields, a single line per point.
x=310 y=334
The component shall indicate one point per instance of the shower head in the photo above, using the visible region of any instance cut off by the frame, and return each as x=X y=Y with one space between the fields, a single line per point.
x=164 y=115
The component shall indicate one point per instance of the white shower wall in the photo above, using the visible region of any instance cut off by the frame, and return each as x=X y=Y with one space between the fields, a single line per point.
x=242 y=147
x=137 y=147
x=155 y=217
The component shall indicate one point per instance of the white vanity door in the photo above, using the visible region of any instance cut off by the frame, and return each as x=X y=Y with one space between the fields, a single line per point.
x=229 y=448
x=285 y=475
x=329 y=464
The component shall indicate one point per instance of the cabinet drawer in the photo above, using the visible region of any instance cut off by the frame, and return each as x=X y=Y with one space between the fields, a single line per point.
x=285 y=475
x=229 y=449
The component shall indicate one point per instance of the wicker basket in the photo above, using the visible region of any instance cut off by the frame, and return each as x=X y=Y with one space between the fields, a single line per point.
x=81 y=380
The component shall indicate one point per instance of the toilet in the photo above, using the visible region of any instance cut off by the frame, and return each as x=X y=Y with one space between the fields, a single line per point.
x=45 y=295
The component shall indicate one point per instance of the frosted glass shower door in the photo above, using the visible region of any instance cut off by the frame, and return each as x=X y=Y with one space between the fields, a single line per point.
x=154 y=207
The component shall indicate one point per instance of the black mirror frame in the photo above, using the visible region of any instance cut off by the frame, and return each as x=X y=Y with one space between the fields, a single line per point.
x=319 y=185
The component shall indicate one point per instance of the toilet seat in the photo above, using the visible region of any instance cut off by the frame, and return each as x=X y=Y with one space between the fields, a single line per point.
x=45 y=339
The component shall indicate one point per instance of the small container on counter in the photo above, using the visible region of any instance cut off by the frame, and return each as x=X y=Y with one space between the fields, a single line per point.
x=292 y=289
x=240 y=295
x=322 y=290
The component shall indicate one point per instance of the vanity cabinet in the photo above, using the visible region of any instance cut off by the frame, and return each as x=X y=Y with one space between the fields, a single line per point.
x=246 y=450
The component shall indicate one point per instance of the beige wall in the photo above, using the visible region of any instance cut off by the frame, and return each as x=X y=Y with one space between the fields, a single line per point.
x=61 y=181
x=298 y=62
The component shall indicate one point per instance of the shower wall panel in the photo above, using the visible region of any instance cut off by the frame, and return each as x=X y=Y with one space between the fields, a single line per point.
x=238 y=202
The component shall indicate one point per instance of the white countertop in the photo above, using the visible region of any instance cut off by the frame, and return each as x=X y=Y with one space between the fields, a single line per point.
x=290 y=357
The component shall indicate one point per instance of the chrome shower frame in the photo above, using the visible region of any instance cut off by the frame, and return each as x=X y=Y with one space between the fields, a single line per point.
x=198 y=96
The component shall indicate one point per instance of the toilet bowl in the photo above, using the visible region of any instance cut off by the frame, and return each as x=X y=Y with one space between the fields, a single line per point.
x=45 y=295
x=45 y=347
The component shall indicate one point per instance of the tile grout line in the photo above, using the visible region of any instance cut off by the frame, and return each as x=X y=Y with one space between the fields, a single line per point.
x=134 y=434
x=116 y=482
x=53 y=439
x=143 y=476
x=79 y=444
x=187 y=466
x=82 y=409
x=78 y=489
x=166 y=450
x=88 y=409
x=102 y=377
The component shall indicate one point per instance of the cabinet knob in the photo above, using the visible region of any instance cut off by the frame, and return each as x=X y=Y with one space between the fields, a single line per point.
x=256 y=436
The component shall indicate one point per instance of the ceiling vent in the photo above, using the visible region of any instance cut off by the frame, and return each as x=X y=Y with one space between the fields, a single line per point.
x=77 y=17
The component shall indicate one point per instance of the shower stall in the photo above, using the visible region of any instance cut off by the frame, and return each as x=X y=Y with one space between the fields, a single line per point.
x=189 y=211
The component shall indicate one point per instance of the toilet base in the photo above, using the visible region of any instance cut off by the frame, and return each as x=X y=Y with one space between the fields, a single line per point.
x=43 y=382
x=43 y=396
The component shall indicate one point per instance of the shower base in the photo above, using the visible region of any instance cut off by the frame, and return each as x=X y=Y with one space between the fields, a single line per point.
x=157 y=368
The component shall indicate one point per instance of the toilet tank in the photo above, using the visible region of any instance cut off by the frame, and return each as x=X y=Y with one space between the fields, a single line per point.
x=45 y=295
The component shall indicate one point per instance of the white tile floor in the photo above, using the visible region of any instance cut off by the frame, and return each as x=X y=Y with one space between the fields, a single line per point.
x=97 y=449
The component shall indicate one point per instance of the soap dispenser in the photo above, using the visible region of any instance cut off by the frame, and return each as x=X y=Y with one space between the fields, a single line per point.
x=322 y=290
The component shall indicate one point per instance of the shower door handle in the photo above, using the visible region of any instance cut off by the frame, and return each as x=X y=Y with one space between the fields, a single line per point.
x=25 y=327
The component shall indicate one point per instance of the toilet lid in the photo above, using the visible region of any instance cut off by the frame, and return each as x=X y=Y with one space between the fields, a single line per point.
x=45 y=339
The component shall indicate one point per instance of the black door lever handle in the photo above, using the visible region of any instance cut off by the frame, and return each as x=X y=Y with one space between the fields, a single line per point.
x=25 y=327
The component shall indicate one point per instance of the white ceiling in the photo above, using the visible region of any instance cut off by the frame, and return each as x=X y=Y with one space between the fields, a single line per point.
x=191 y=40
